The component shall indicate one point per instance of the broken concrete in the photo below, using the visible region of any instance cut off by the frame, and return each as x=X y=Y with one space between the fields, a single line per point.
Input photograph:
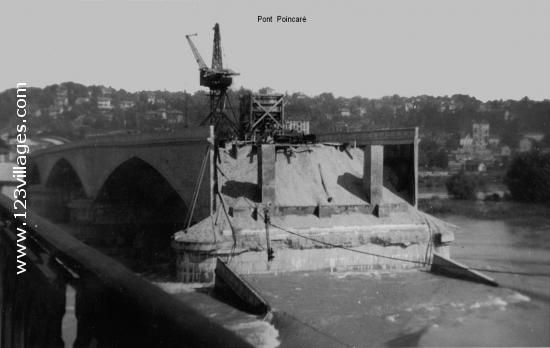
x=306 y=226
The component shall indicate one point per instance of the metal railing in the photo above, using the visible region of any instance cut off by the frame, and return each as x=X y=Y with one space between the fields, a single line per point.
x=113 y=306
x=389 y=136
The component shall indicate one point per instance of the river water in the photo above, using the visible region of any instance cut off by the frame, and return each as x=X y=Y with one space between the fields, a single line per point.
x=411 y=308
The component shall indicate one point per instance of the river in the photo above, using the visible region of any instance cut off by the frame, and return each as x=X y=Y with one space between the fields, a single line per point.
x=417 y=308
x=408 y=308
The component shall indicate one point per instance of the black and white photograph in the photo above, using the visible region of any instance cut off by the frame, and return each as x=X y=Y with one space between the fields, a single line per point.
x=185 y=173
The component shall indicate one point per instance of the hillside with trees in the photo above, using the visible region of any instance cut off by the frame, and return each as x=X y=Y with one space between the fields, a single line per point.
x=441 y=119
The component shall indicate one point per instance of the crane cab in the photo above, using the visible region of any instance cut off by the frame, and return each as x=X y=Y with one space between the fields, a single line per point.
x=215 y=80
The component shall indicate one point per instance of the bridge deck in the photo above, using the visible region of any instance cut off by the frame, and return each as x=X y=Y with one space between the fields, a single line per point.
x=184 y=136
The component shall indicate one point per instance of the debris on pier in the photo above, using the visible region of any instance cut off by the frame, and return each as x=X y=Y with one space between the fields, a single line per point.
x=307 y=230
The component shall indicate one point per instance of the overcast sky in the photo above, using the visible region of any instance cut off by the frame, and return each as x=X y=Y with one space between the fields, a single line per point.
x=489 y=49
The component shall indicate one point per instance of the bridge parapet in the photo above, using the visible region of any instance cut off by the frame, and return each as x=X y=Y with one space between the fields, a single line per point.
x=185 y=136
x=113 y=306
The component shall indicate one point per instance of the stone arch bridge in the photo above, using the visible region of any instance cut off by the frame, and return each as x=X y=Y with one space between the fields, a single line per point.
x=120 y=178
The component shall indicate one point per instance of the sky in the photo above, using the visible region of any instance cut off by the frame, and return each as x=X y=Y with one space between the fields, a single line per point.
x=490 y=49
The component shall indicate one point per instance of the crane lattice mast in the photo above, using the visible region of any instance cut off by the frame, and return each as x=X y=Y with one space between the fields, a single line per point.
x=217 y=62
x=218 y=80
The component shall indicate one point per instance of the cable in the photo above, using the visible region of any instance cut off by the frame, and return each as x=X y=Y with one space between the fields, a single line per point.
x=346 y=248
x=424 y=263
x=412 y=261
x=405 y=260
x=429 y=247
x=234 y=234
x=197 y=188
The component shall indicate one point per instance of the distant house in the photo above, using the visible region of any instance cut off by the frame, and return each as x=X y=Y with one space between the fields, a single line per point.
x=494 y=141
x=104 y=103
x=455 y=166
x=345 y=112
x=151 y=98
x=61 y=100
x=341 y=127
x=152 y=115
x=529 y=141
x=106 y=91
x=266 y=90
x=538 y=137
x=175 y=116
x=480 y=135
x=126 y=104
x=481 y=167
x=526 y=144
x=475 y=166
x=81 y=100
x=298 y=126
x=466 y=143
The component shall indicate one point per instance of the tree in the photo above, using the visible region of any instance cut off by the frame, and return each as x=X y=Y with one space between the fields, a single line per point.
x=461 y=186
x=440 y=159
x=432 y=155
x=528 y=177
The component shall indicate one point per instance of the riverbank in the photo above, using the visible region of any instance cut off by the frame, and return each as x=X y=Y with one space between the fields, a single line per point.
x=482 y=209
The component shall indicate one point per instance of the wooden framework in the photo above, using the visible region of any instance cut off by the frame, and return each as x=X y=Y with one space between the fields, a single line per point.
x=262 y=112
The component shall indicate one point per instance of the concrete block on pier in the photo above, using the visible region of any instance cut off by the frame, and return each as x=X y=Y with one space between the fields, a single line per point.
x=266 y=172
x=373 y=173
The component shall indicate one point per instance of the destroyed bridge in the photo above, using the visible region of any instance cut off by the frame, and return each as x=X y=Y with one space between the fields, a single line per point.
x=165 y=178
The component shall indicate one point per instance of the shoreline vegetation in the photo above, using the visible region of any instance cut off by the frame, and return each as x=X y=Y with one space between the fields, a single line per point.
x=527 y=181
x=485 y=210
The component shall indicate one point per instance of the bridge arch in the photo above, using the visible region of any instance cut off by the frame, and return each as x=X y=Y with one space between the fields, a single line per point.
x=140 y=204
x=63 y=185
x=64 y=176
x=138 y=182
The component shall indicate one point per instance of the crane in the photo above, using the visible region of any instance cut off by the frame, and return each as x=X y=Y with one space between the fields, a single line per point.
x=217 y=79
x=198 y=57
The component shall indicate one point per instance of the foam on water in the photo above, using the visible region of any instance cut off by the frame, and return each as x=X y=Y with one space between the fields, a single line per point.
x=176 y=288
x=517 y=297
x=392 y=318
x=258 y=333
x=501 y=303
x=491 y=302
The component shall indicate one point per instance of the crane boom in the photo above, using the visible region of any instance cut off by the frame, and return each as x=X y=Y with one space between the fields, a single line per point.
x=217 y=62
x=198 y=58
